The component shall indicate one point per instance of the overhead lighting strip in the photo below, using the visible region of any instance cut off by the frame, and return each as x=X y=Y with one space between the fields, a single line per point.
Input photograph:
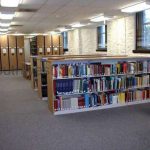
x=10 y=3
x=136 y=7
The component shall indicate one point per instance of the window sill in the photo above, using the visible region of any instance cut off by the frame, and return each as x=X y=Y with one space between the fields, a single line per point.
x=101 y=50
x=141 y=51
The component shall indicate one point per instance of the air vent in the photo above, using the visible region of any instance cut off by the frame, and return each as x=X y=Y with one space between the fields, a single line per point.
x=26 y=10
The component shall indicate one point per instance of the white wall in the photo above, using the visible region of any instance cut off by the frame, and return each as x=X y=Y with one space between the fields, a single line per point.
x=88 y=40
x=120 y=38
x=73 y=42
x=83 y=41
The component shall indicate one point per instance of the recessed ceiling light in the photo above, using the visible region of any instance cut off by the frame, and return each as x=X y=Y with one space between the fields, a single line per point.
x=7 y=16
x=54 y=32
x=99 y=18
x=136 y=7
x=64 y=29
x=3 y=30
x=10 y=3
x=77 y=25
x=2 y=33
x=4 y=24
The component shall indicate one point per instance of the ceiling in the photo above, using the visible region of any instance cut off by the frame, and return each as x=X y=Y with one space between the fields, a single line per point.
x=40 y=16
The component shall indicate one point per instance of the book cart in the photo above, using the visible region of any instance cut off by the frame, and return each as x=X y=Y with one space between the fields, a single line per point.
x=86 y=84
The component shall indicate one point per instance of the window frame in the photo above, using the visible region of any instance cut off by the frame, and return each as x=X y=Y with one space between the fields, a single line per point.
x=138 y=23
x=65 y=49
x=99 y=36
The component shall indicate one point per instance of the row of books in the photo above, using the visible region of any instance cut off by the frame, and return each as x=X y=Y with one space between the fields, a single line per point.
x=100 y=84
x=34 y=62
x=94 y=100
x=94 y=69
x=44 y=79
x=43 y=66
x=44 y=91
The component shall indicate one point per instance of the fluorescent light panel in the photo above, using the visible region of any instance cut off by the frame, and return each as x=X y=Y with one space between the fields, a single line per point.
x=54 y=32
x=10 y=3
x=99 y=19
x=4 y=24
x=77 y=25
x=63 y=29
x=3 y=30
x=7 y=16
x=2 y=33
x=136 y=8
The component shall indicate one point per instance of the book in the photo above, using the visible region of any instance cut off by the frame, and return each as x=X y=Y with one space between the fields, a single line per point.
x=86 y=97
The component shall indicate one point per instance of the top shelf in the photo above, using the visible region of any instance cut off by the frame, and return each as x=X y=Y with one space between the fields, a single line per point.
x=97 y=76
x=98 y=58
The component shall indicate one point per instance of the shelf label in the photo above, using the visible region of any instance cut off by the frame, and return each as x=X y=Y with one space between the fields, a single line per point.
x=40 y=50
x=48 y=50
x=55 y=49
x=20 y=50
x=12 y=51
x=4 y=51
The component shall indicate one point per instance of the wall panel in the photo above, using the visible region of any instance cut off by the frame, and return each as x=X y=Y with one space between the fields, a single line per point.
x=55 y=40
x=12 y=52
x=4 y=52
x=20 y=51
x=40 y=45
x=48 y=45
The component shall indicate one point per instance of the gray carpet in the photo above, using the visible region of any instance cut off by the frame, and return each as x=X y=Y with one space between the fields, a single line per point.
x=27 y=124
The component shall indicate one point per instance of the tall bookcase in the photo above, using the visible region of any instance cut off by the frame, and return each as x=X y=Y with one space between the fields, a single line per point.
x=48 y=45
x=33 y=46
x=20 y=52
x=77 y=85
x=37 y=45
x=34 y=79
x=12 y=52
x=4 y=52
x=42 y=74
x=42 y=77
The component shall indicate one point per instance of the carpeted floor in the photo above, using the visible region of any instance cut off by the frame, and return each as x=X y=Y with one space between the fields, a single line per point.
x=27 y=124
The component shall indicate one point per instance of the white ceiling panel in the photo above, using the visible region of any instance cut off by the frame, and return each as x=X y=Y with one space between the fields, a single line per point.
x=51 y=13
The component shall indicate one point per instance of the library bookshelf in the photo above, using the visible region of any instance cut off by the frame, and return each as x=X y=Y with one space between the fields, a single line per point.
x=42 y=71
x=34 y=81
x=92 y=83
x=42 y=74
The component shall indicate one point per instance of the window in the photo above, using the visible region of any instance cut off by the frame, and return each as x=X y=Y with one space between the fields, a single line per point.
x=102 y=38
x=65 y=40
x=143 y=31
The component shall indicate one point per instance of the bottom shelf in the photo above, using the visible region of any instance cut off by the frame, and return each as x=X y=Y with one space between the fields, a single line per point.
x=100 y=107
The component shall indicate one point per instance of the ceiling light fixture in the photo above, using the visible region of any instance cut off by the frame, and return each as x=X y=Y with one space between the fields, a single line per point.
x=77 y=25
x=64 y=29
x=54 y=32
x=2 y=33
x=10 y=3
x=99 y=18
x=3 y=30
x=136 y=7
x=7 y=16
x=4 y=24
